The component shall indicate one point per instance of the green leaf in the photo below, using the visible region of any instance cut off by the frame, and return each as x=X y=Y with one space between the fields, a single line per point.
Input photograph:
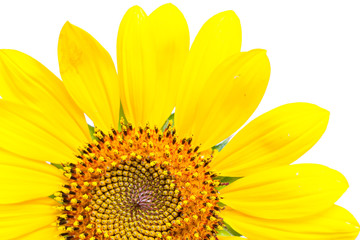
x=171 y=117
x=228 y=231
x=221 y=145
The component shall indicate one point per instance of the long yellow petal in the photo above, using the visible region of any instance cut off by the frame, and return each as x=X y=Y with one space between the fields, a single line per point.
x=24 y=218
x=229 y=238
x=15 y=160
x=218 y=39
x=333 y=224
x=151 y=53
x=89 y=75
x=286 y=192
x=230 y=96
x=24 y=80
x=28 y=133
x=276 y=138
x=131 y=70
x=48 y=232
x=20 y=184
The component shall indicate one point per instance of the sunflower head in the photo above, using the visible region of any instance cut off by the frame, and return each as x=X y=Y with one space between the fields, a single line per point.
x=142 y=183
x=138 y=178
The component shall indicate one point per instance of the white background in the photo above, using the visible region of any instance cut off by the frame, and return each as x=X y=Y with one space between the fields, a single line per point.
x=313 y=46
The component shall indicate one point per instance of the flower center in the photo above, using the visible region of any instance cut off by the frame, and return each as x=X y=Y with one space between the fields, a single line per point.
x=139 y=184
x=137 y=194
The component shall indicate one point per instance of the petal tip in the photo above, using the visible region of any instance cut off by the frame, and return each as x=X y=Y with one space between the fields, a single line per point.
x=168 y=5
x=6 y=52
x=229 y=14
x=167 y=10
x=259 y=52
x=136 y=9
x=323 y=113
x=67 y=27
x=67 y=24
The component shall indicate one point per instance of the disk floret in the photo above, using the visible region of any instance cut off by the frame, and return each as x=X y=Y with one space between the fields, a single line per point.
x=139 y=183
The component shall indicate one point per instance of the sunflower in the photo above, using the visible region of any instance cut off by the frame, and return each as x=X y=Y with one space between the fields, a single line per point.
x=143 y=172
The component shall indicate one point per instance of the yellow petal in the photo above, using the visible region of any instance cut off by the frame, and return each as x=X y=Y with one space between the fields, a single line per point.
x=20 y=184
x=131 y=70
x=276 y=138
x=229 y=238
x=231 y=95
x=24 y=80
x=13 y=166
x=218 y=39
x=24 y=218
x=28 y=133
x=89 y=75
x=15 y=160
x=48 y=232
x=286 y=192
x=333 y=224
x=151 y=53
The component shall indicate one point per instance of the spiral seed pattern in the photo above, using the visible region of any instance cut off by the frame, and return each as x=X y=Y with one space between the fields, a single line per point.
x=139 y=183
x=138 y=196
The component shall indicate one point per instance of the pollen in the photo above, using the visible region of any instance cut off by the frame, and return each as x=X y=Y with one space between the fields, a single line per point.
x=139 y=183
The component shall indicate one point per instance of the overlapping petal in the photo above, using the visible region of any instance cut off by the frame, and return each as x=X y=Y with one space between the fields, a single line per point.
x=219 y=88
x=286 y=192
x=335 y=223
x=276 y=138
x=28 y=133
x=229 y=238
x=49 y=232
x=24 y=80
x=16 y=160
x=89 y=75
x=230 y=96
x=19 y=184
x=218 y=39
x=28 y=139
x=151 y=53
x=19 y=220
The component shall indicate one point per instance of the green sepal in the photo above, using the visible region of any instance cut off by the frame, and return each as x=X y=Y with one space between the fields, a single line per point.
x=122 y=116
x=170 y=118
x=228 y=231
x=228 y=180
x=59 y=166
x=221 y=145
x=52 y=196
x=92 y=131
